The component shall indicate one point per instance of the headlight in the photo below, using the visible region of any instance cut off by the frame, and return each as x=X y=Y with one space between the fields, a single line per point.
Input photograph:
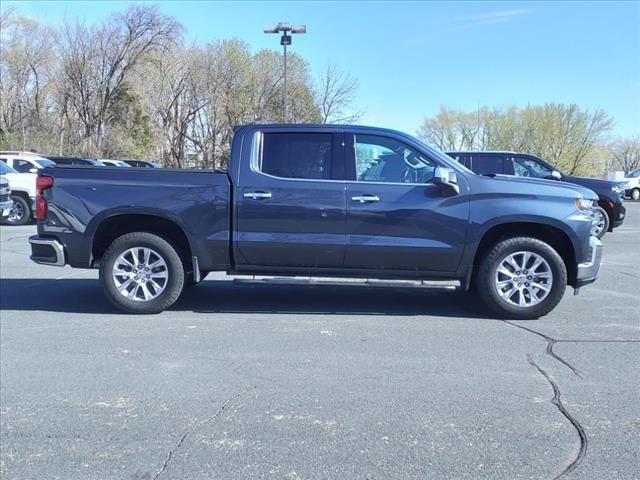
x=618 y=189
x=584 y=204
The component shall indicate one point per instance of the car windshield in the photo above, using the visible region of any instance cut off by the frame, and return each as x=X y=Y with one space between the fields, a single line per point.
x=530 y=167
x=4 y=168
x=45 y=162
x=634 y=174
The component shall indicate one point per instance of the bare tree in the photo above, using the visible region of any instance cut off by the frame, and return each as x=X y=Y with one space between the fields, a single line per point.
x=565 y=135
x=128 y=86
x=97 y=60
x=626 y=153
x=336 y=96
x=25 y=68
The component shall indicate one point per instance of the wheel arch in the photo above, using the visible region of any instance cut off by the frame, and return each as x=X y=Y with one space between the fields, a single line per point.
x=105 y=230
x=553 y=235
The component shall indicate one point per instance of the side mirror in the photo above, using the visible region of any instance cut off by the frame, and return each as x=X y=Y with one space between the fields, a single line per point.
x=556 y=175
x=447 y=180
x=33 y=170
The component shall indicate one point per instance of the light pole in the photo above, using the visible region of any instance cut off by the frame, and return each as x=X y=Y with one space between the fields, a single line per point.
x=285 y=40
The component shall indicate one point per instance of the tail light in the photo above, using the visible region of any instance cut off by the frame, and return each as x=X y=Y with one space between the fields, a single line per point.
x=42 y=183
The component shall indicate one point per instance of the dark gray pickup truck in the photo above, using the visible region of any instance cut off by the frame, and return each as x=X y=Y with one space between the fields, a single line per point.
x=321 y=201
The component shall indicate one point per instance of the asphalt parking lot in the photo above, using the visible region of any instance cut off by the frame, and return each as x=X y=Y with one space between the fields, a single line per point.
x=300 y=382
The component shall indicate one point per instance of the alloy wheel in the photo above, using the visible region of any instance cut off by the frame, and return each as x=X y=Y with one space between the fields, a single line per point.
x=523 y=279
x=140 y=274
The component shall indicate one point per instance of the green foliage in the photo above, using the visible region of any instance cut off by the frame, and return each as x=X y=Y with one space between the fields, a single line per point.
x=130 y=130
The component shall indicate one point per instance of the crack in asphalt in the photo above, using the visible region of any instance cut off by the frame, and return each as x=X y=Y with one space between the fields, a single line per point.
x=549 y=349
x=191 y=430
x=557 y=401
x=14 y=237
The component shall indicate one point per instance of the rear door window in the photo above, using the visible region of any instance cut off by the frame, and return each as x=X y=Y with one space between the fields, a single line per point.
x=485 y=164
x=22 y=166
x=297 y=155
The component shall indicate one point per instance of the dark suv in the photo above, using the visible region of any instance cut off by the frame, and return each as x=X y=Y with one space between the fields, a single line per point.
x=610 y=212
x=76 y=161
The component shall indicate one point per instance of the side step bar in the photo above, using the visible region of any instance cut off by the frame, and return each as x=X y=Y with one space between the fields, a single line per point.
x=445 y=285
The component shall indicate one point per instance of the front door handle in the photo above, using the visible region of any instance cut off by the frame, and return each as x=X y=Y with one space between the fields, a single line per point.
x=257 y=195
x=366 y=198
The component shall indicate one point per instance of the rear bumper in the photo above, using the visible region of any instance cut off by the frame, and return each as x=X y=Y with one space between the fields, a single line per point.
x=47 y=251
x=5 y=208
x=588 y=271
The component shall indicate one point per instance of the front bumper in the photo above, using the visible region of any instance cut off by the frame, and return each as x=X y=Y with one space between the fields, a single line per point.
x=588 y=271
x=5 y=208
x=618 y=212
x=47 y=251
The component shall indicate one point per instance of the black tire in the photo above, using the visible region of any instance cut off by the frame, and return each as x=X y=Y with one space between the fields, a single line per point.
x=486 y=278
x=22 y=206
x=635 y=194
x=174 y=284
x=607 y=222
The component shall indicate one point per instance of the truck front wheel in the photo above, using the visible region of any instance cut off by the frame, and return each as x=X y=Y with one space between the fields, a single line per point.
x=142 y=273
x=521 y=278
x=21 y=213
x=600 y=224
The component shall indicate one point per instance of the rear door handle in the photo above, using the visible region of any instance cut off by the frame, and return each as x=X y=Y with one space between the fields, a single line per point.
x=257 y=195
x=366 y=198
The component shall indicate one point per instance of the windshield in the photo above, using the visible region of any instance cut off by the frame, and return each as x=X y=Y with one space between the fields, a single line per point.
x=634 y=174
x=530 y=167
x=45 y=162
x=4 y=168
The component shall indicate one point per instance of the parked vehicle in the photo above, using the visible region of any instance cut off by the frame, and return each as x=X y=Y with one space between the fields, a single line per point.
x=23 y=193
x=632 y=185
x=610 y=211
x=114 y=163
x=90 y=162
x=25 y=162
x=143 y=164
x=6 y=204
x=320 y=200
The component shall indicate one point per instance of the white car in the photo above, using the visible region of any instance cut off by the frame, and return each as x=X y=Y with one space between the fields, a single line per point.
x=632 y=184
x=23 y=194
x=6 y=204
x=115 y=163
x=25 y=162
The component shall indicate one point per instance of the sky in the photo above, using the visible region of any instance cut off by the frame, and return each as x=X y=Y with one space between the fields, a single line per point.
x=411 y=58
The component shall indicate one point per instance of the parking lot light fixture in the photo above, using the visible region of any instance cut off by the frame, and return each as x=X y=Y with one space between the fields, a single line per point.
x=285 y=40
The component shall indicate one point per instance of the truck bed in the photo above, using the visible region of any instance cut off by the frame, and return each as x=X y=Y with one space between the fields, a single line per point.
x=82 y=198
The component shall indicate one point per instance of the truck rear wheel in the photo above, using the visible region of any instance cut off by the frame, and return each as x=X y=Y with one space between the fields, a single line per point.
x=521 y=278
x=142 y=273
